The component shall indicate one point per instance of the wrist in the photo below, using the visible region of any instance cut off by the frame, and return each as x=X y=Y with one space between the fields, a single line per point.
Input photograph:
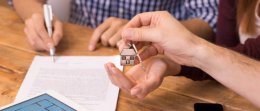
x=32 y=15
x=203 y=53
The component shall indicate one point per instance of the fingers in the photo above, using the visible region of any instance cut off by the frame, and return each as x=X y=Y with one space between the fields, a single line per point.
x=152 y=82
x=58 y=32
x=122 y=45
x=146 y=19
x=135 y=82
x=111 y=77
x=118 y=78
x=143 y=19
x=107 y=35
x=144 y=88
x=140 y=45
x=39 y=26
x=141 y=34
x=97 y=34
x=115 y=39
x=108 y=32
x=34 y=40
x=37 y=33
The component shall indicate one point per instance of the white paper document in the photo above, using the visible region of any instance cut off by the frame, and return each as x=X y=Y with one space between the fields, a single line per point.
x=82 y=79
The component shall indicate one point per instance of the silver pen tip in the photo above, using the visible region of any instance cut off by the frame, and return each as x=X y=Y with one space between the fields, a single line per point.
x=52 y=53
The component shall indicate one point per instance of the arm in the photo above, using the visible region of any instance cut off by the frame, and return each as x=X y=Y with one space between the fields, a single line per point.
x=26 y=8
x=226 y=36
x=235 y=71
x=251 y=48
x=168 y=37
x=204 y=31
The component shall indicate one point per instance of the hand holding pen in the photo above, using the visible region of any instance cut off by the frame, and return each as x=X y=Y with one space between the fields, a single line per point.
x=37 y=34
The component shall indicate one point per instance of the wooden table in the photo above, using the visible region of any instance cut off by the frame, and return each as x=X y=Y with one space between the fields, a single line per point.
x=175 y=94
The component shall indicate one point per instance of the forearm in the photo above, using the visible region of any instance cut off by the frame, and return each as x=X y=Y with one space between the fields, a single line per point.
x=235 y=71
x=25 y=8
x=175 y=69
x=200 y=28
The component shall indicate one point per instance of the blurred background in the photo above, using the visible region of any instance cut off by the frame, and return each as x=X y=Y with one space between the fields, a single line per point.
x=60 y=9
x=3 y=3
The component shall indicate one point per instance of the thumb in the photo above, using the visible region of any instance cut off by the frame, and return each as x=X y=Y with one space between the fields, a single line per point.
x=141 y=34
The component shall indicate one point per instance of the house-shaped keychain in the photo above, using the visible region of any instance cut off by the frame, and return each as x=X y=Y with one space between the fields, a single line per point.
x=128 y=56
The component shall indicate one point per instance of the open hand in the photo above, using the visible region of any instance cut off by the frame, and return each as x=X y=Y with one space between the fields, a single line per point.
x=138 y=82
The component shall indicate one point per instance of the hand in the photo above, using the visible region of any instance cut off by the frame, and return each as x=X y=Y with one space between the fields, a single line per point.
x=139 y=83
x=37 y=33
x=166 y=36
x=109 y=32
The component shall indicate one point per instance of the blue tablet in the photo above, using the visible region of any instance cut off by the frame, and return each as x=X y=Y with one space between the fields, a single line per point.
x=44 y=102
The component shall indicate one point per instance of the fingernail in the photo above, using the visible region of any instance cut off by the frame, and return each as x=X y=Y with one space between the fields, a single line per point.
x=50 y=45
x=91 y=48
x=128 y=33
x=135 y=91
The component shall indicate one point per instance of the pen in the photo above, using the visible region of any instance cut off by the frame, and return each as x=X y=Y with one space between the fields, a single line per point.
x=48 y=17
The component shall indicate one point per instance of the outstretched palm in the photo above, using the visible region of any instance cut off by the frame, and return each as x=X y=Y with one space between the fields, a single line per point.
x=136 y=81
